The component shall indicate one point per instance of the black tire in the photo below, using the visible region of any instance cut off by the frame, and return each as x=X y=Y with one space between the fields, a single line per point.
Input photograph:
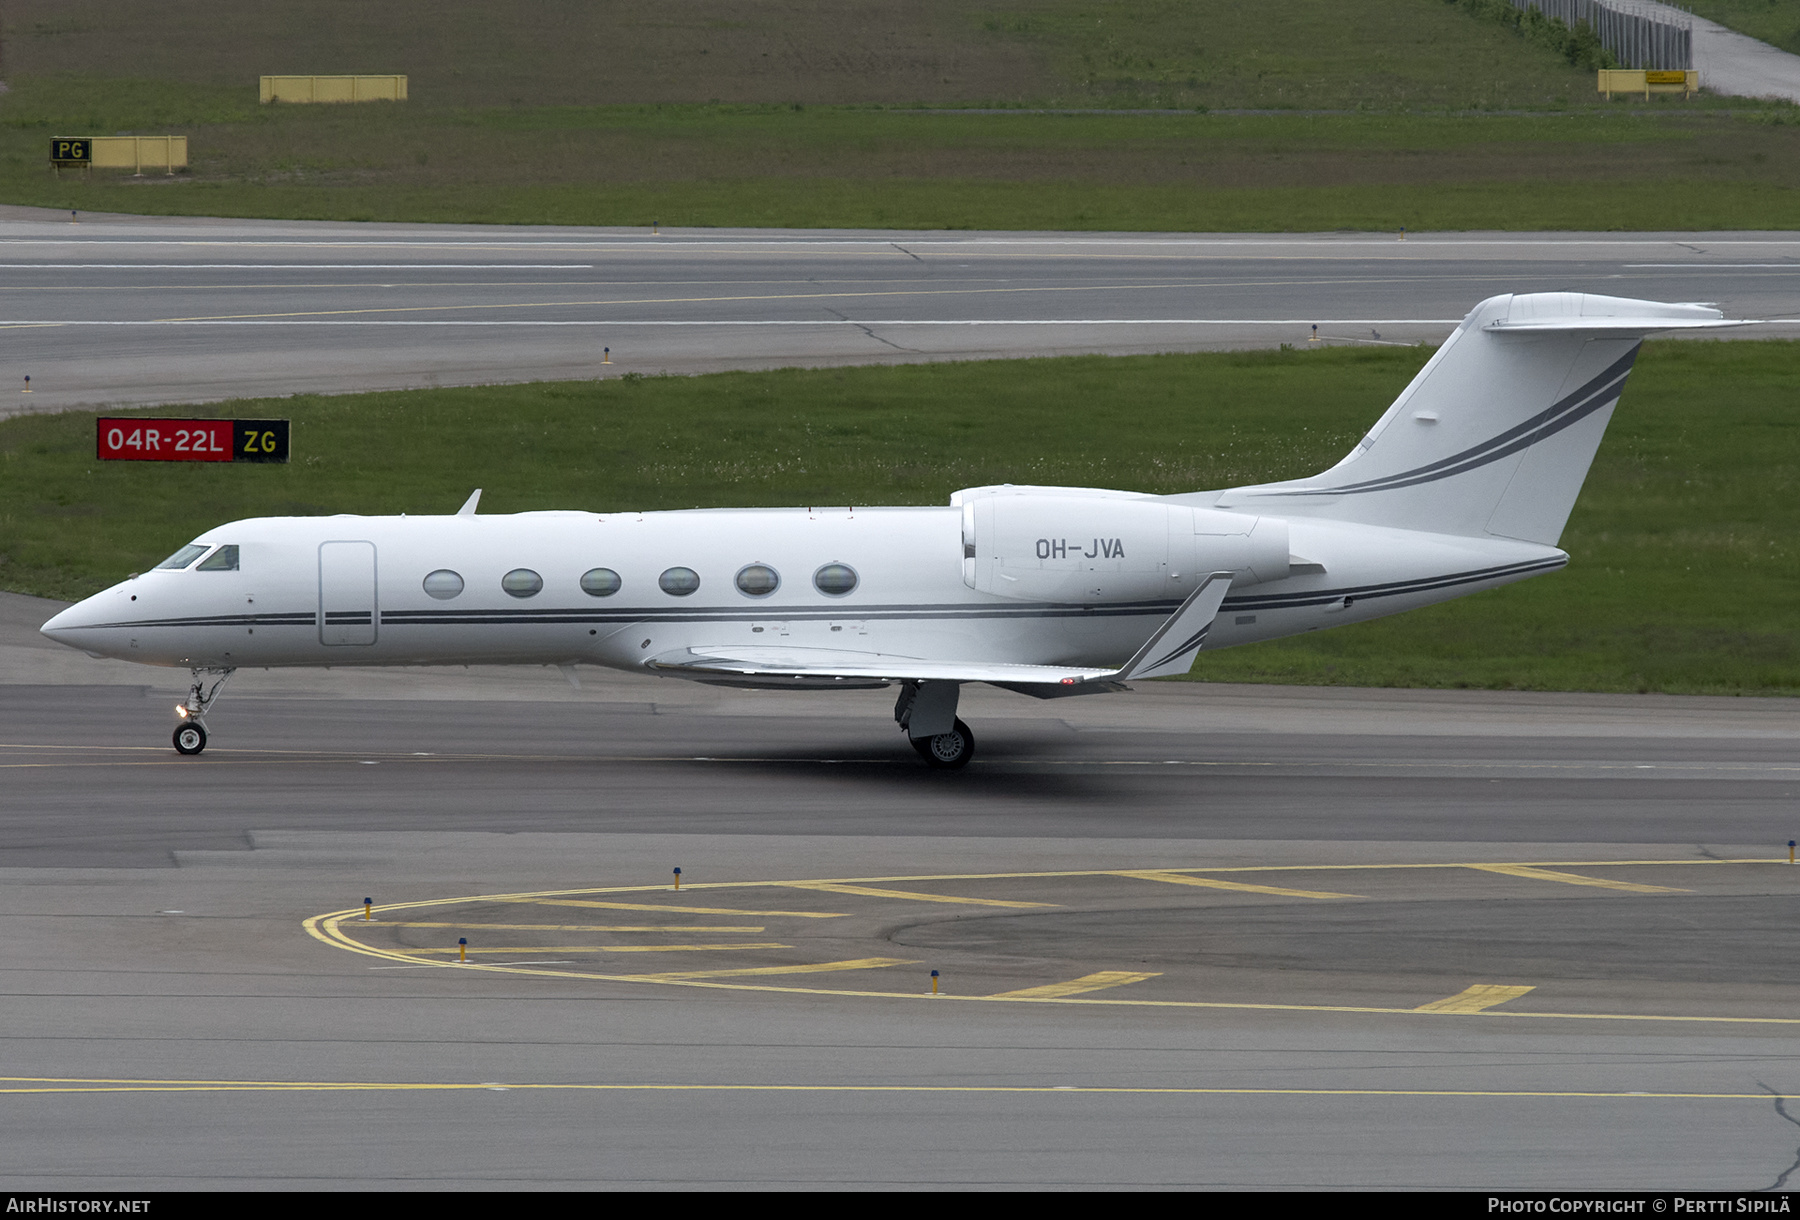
x=190 y=738
x=948 y=751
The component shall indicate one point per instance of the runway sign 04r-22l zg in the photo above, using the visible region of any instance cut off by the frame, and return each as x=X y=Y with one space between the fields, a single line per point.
x=191 y=440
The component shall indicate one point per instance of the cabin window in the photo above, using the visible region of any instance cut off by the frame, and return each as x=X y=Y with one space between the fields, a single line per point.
x=225 y=559
x=443 y=584
x=758 y=580
x=679 y=582
x=180 y=559
x=600 y=582
x=835 y=579
x=522 y=582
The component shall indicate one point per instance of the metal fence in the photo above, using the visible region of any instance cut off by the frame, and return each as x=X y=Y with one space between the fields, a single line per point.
x=1638 y=36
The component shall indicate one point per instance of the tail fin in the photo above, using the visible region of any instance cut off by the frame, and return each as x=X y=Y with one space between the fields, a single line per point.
x=1496 y=433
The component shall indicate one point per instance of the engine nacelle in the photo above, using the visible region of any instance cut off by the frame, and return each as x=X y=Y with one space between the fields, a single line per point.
x=1077 y=545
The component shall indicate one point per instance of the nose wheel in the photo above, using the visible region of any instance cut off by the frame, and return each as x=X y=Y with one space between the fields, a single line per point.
x=190 y=734
x=947 y=751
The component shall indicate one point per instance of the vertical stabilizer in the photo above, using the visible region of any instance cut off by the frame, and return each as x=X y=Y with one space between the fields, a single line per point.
x=1495 y=435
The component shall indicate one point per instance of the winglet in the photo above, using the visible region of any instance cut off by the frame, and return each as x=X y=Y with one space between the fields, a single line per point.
x=1172 y=649
x=468 y=508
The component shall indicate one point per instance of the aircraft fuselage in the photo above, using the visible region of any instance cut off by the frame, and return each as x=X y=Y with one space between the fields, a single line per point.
x=350 y=590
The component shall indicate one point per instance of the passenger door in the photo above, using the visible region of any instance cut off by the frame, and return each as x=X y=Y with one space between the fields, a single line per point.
x=347 y=597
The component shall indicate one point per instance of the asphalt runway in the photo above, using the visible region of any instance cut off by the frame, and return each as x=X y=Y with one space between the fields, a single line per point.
x=1188 y=936
x=139 y=310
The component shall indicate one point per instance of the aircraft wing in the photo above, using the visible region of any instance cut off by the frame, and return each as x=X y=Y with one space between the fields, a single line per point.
x=775 y=662
x=1171 y=649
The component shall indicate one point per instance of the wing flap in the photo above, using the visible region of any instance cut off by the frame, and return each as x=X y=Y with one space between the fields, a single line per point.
x=770 y=662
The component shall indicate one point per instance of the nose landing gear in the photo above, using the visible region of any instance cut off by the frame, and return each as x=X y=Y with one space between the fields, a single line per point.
x=190 y=734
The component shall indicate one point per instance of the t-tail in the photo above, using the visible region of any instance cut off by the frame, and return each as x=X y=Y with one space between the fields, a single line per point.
x=1494 y=437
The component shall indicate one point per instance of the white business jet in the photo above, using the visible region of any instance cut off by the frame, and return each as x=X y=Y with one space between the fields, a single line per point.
x=1463 y=485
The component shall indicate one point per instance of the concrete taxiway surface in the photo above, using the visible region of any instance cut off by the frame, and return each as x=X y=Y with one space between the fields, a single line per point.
x=1214 y=936
x=137 y=310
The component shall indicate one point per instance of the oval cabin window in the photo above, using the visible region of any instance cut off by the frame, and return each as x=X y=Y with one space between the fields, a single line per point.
x=600 y=582
x=758 y=580
x=522 y=582
x=835 y=579
x=679 y=582
x=443 y=584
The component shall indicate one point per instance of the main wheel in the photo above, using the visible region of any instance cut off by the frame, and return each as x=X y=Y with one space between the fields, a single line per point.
x=947 y=751
x=190 y=738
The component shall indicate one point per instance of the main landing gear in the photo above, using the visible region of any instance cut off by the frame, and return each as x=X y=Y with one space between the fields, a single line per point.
x=947 y=750
x=926 y=711
x=190 y=734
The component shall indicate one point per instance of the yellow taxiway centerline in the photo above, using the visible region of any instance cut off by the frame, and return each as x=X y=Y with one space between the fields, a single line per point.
x=855 y=963
x=606 y=948
x=327 y=928
x=544 y=896
x=565 y=927
x=1543 y=874
x=657 y=906
x=1479 y=998
x=863 y=891
x=1214 y=883
x=1086 y=983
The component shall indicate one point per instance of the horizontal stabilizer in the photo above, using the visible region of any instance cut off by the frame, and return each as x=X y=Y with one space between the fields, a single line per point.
x=1625 y=327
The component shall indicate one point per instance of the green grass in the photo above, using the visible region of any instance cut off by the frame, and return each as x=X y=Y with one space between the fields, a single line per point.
x=1683 y=577
x=1665 y=168
x=828 y=113
x=1379 y=54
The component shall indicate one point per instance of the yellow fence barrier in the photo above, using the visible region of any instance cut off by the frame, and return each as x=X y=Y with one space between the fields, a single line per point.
x=136 y=153
x=334 y=89
x=1648 y=81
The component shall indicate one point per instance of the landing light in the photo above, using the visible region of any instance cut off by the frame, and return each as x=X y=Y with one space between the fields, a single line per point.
x=181 y=710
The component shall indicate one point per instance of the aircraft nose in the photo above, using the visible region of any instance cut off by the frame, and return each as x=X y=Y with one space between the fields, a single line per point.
x=69 y=627
x=62 y=626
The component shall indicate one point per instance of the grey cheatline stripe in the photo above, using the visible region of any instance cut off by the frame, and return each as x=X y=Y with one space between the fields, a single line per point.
x=1398 y=588
x=306 y=619
x=558 y=615
x=724 y=615
x=1600 y=392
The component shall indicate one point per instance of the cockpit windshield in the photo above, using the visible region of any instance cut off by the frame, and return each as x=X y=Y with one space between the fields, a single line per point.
x=180 y=559
x=225 y=559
